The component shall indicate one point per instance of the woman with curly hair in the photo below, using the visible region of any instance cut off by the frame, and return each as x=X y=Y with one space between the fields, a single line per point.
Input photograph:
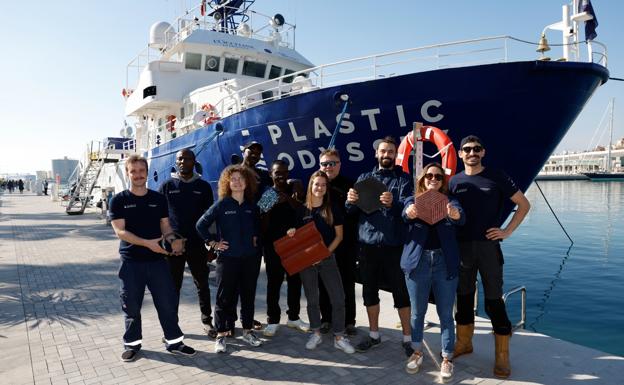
x=237 y=224
x=430 y=260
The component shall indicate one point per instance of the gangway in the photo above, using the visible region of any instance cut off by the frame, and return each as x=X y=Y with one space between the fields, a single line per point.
x=80 y=193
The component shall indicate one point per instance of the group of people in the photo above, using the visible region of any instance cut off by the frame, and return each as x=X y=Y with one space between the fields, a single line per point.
x=12 y=184
x=391 y=248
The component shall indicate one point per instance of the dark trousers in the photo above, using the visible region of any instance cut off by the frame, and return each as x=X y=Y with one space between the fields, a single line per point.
x=275 y=276
x=135 y=276
x=382 y=264
x=345 y=258
x=236 y=276
x=196 y=258
x=486 y=258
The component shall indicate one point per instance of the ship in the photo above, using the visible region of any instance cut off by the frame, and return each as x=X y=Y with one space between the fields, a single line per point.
x=223 y=75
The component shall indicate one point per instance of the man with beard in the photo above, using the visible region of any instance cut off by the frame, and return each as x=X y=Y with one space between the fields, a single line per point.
x=252 y=153
x=284 y=215
x=188 y=197
x=140 y=219
x=346 y=252
x=483 y=193
x=381 y=234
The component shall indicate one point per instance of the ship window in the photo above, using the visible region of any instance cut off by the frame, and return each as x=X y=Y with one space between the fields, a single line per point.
x=252 y=68
x=230 y=65
x=267 y=96
x=212 y=63
x=275 y=72
x=182 y=115
x=192 y=61
x=288 y=79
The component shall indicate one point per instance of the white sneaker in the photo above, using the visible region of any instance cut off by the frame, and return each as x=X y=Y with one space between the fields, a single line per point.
x=251 y=339
x=314 y=341
x=220 y=346
x=446 y=370
x=298 y=324
x=344 y=344
x=414 y=363
x=270 y=330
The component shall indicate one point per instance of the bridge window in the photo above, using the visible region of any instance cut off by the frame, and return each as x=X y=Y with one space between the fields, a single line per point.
x=288 y=79
x=192 y=61
x=252 y=68
x=230 y=65
x=212 y=63
x=275 y=72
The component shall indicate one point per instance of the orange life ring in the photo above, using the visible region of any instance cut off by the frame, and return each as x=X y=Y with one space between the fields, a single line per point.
x=171 y=119
x=437 y=137
x=212 y=113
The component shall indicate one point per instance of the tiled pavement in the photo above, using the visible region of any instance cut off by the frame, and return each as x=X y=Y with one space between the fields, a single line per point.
x=61 y=323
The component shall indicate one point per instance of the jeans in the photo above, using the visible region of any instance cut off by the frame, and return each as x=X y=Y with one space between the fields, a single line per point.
x=431 y=272
x=327 y=269
x=196 y=258
x=135 y=275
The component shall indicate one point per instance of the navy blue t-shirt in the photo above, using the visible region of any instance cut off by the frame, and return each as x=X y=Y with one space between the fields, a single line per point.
x=483 y=197
x=328 y=232
x=142 y=215
x=187 y=202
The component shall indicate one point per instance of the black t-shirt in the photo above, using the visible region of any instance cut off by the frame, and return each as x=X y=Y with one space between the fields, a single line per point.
x=187 y=202
x=328 y=232
x=142 y=215
x=483 y=197
x=281 y=217
x=433 y=239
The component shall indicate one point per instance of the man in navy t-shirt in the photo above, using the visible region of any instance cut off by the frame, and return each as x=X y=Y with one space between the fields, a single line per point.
x=188 y=197
x=140 y=218
x=483 y=193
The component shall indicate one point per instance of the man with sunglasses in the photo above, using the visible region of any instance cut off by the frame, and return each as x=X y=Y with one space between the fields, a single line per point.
x=483 y=193
x=346 y=252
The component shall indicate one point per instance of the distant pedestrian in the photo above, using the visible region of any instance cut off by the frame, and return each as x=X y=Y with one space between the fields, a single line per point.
x=45 y=187
x=139 y=217
x=20 y=186
x=11 y=186
x=483 y=192
x=430 y=261
x=188 y=197
x=236 y=238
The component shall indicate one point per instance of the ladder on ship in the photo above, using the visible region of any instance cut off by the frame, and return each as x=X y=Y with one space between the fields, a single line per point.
x=81 y=192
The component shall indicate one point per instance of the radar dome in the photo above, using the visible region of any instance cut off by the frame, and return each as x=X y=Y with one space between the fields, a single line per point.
x=158 y=34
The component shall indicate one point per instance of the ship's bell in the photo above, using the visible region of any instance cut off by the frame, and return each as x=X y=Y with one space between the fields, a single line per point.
x=543 y=46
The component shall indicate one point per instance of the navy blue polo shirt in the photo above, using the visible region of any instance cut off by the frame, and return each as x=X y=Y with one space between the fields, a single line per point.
x=187 y=202
x=483 y=197
x=328 y=232
x=142 y=215
x=235 y=223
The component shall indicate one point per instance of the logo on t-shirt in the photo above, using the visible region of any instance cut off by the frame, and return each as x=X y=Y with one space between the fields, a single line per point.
x=484 y=189
x=197 y=192
x=152 y=205
x=230 y=212
x=129 y=206
x=461 y=190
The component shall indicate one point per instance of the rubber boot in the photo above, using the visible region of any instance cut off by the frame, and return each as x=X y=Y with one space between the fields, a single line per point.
x=463 y=343
x=501 y=365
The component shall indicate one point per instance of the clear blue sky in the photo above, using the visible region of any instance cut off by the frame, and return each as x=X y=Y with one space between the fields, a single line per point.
x=65 y=61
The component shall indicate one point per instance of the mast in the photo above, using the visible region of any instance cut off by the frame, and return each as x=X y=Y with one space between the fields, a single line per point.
x=608 y=168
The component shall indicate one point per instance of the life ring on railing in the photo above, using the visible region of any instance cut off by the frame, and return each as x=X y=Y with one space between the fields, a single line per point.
x=171 y=120
x=212 y=113
x=437 y=137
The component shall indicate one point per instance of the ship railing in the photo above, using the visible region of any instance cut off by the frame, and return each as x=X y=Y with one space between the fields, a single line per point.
x=489 y=50
x=518 y=289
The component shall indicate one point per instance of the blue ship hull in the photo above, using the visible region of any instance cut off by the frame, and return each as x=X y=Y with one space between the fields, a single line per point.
x=520 y=110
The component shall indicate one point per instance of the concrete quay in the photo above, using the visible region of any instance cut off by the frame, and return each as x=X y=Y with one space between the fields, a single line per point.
x=61 y=323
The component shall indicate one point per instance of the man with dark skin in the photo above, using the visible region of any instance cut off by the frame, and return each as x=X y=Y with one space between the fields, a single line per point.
x=188 y=197
x=285 y=214
x=252 y=153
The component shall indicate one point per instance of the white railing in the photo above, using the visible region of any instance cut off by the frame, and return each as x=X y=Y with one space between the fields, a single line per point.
x=487 y=50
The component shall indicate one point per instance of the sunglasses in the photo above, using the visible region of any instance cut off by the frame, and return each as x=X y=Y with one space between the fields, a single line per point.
x=331 y=163
x=431 y=176
x=476 y=149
